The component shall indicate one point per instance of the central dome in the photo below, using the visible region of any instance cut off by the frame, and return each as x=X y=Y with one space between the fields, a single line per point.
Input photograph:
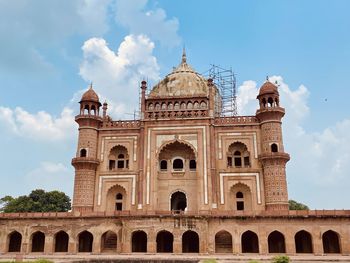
x=183 y=81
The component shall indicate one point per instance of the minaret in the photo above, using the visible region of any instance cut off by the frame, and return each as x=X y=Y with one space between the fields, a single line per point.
x=272 y=157
x=86 y=161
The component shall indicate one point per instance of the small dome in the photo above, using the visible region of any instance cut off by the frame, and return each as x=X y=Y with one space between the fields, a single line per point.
x=182 y=81
x=268 y=88
x=90 y=95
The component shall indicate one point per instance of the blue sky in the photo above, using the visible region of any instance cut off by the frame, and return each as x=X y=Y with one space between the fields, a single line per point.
x=50 y=51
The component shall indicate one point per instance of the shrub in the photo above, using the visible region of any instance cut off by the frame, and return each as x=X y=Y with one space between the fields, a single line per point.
x=280 y=259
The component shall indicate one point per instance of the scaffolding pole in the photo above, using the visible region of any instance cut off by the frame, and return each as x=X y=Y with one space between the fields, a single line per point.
x=225 y=81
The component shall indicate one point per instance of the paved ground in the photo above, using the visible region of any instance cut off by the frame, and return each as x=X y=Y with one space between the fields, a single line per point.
x=170 y=257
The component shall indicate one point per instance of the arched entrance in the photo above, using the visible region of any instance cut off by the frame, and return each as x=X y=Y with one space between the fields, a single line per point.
x=223 y=242
x=303 y=242
x=15 y=242
x=38 y=242
x=61 y=242
x=250 y=242
x=109 y=242
x=165 y=241
x=330 y=240
x=276 y=242
x=85 y=241
x=139 y=241
x=190 y=242
x=178 y=201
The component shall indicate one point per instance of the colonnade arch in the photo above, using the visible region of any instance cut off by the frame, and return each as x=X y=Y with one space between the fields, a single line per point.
x=190 y=242
x=15 y=242
x=165 y=241
x=276 y=242
x=223 y=242
x=61 y=241
x=303 y=242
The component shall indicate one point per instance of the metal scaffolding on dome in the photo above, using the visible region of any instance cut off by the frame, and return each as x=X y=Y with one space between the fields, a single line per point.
x=225 y=81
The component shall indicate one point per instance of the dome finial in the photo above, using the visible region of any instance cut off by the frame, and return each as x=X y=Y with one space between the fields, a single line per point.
x=90 y=85
x=184 y=59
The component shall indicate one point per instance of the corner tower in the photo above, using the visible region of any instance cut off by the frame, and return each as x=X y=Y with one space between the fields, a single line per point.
x=272 y=157
x=86 y=162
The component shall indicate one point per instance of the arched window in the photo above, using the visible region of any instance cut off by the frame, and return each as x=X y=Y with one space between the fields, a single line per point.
x=150 y=106
x=276 y=242
x=178 y=201
x=119 y=202
x=330 y=240
x=239 y=201
x=238 y=155
x=223 y=242
x=109 y=242
x=264 y=102
x=250 y=242
x=178 y=164
x=85 y=240
x=83 y=153
x=15 y=242
x=164 y=106
x=193 y=165
x=190 y=242
x=303 y=242
x=139 y=241
x=163 y=165
x=270 y=102
x=165 y=241
x=61 y=242
x=38 y=242
x=118 y=158
x=93 y=110
x=274 y=148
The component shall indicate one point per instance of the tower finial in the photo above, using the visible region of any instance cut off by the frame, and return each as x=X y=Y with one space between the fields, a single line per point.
x=267 y=78
x=184 y=59
x=90 y=85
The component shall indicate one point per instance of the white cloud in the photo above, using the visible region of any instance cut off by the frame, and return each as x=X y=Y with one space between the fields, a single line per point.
x=40 y=126
x=117 y=76
x=319 y=160
x=39 y=24
x=51 y=176
x=153 y=23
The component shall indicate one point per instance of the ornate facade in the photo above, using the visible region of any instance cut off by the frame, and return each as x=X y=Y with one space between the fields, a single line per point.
x=180 y=179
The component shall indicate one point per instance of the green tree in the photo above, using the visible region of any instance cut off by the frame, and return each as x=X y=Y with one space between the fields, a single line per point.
x=37 y=201
x=294 y=205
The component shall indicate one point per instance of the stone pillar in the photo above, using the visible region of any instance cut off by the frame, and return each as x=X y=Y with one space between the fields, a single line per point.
x=317 y=243
x=49 y=245
x=151 y=247
x=290 y=243
x=72 y=246
x=96 y=245
x=3 y=243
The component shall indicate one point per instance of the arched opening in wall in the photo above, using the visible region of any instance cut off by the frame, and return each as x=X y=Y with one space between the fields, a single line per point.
x=241 y=197
x=193 y=165
x=83 y=153
x=86 y=110
x=303 y=242
x=238 y=155
x=165 y=241
x=277 y=102
x=270 y=102
x=274 y=148
x=61 y=241
x=163 y=165
x=118 y=158
x=178 y=201
x=85 y=240
x=93 y=110
x=250 y=242
x=223 y=242
x=264 y=102
x=190 y=242
x=116 y=199
x=109 y=242
x=15 y=242
x=38 y=242
x=178 y=164
x=139 y=241
x=276 y=242
x=180 y=154
x=330 y=240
